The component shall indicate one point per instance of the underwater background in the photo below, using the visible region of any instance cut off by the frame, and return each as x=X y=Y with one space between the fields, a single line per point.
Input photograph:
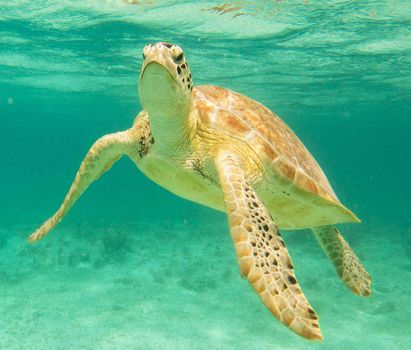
x=135 y=267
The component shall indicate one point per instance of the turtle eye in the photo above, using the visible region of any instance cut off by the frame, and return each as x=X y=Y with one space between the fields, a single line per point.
x=144 y=56
x=178 y=59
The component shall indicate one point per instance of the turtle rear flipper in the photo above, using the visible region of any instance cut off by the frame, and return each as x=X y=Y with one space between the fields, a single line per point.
x=346 y=263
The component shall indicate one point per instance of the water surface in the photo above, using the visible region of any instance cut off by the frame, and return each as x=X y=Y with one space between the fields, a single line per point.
x=133 y=266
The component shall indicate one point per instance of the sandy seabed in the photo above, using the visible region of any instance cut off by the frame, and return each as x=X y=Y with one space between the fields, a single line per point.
x=177 y=286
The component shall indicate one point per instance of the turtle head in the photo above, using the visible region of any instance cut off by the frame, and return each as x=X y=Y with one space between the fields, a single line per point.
x=166 y=85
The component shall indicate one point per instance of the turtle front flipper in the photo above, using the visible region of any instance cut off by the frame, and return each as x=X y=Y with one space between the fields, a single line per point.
x=261 y=251
x=101 y=156
x=346 y=263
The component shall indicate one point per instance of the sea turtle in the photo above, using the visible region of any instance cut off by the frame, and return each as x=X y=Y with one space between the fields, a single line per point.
x=226 y=151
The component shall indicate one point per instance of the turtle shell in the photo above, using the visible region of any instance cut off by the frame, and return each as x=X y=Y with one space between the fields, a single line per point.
x=282 y=153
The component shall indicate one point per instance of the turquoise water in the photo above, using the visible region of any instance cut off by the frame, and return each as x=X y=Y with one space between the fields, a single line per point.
x=134 y=267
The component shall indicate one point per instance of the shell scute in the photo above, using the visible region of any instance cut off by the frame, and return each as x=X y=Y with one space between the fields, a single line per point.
x=215 y=94
x=284 y=168
x=233 y=122
x=205 y=111
x=268 y=152
x=304 y=181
